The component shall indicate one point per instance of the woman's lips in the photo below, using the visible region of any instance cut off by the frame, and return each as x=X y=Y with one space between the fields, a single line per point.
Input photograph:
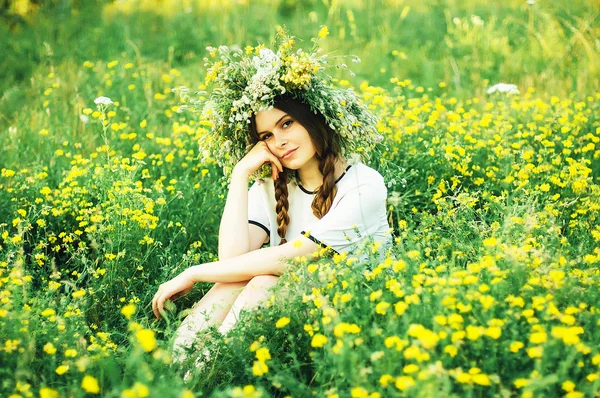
x=289 y=154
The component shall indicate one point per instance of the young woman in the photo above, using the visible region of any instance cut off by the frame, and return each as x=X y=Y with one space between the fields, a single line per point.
x=314 y=198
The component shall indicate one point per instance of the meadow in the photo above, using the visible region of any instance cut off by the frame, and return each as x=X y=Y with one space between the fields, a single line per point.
x=492 y=286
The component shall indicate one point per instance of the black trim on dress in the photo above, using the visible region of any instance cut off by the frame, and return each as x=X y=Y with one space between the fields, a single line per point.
x=260 y=225
x=336 y=181
x=318 y=242
x=305 y=190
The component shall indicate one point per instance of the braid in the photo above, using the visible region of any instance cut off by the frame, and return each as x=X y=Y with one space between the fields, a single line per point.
x=282 y=206
x=326 y=193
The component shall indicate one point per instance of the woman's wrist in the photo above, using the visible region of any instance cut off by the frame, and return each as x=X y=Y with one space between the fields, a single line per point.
x=191 y=274
x=240 y=173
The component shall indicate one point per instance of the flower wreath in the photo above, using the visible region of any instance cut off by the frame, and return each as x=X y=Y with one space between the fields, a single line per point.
x=247 y=81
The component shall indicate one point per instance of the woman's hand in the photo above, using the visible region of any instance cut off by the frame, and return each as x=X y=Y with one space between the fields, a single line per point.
x=258 y=156
x=176 y=287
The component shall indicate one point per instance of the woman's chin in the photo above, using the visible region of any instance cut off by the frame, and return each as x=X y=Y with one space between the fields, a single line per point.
x=297 y=161
x=291 y=164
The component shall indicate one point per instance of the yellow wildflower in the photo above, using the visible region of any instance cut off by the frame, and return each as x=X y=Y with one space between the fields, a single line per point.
x=318 y=340
x=515 y=346
x=385 y=380
x=568 y=386
x=146 y=339
x=282 y=322
x=324 y=32
x=410 y=368
x=404 y=382
x=538 y=337
x=49 y=349
x=70 y=353
x=481 y=379
x=128 y=310
x=259 y=368
x=90 y=384
x=262 y=354
x=46 y=392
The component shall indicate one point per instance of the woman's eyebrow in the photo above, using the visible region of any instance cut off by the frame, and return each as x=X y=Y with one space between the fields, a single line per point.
x=276 y=123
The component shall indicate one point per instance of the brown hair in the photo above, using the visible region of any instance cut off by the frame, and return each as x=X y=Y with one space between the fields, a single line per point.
x=326 y=142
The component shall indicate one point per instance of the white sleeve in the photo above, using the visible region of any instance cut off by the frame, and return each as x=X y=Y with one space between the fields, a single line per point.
x=257 y=212
x=356 y=216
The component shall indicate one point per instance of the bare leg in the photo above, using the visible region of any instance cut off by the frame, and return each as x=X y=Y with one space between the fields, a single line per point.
x=255 y=292
x=211 y=310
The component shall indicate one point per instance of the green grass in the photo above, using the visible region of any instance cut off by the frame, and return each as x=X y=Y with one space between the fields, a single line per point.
x=491 y=287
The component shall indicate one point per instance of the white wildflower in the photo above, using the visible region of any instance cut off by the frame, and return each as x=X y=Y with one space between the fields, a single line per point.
x=265 y=57
x=181 y=89
x=353 y=158
x=394 y=199
x=476 y=20
x=84 y=118
x=503 y=88
x=103 y=101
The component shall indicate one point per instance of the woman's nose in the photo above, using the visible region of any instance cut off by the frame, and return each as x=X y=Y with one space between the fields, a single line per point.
x=280 y=140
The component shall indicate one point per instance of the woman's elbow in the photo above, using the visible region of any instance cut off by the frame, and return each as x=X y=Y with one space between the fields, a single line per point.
x=226 y=253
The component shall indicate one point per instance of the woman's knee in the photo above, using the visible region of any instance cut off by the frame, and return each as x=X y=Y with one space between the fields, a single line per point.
x=263 y=281
x=221 y=288
x=220 y=295
x=228 y=285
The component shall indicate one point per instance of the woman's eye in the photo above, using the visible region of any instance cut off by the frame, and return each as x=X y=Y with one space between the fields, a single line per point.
x=287 y=123
x=266 y=137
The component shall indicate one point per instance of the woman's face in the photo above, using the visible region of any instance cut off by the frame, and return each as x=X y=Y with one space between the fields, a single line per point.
x=285 y=137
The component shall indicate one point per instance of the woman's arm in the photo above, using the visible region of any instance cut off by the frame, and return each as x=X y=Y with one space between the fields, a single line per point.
x=267 y=261
x=234 y=237
x=234 y=232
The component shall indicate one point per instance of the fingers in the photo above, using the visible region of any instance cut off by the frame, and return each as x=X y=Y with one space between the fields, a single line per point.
x=155 y=304
x=158 y=302
x=275 y=163
x=259 y=156
x=161 y=296
x=272 y=158
x=278 y=163
x=274 y=171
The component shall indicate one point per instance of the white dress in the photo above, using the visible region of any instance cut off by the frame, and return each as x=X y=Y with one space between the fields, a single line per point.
x=357 y=214
x=358 y=211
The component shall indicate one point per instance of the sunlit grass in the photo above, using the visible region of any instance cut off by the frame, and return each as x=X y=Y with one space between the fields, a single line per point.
x=491 y=287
